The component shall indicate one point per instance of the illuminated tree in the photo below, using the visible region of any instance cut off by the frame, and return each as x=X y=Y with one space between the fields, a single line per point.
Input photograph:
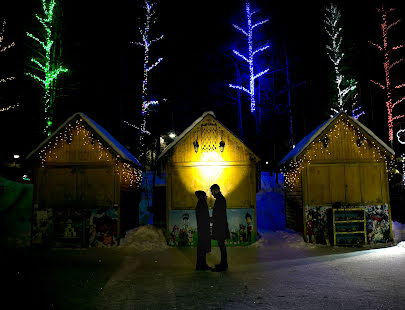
x=47 y=66
x=248 y=31
x=147 y=40
x=335 y=53
x=4 y=48
x=388 y=64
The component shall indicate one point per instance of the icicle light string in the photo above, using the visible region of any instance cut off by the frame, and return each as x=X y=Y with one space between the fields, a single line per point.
x=80 y=135
x=316 y=149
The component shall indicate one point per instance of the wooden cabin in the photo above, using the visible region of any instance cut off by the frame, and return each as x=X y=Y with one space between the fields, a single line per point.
x=204 y=154
x=336 y=184
x=86 y=187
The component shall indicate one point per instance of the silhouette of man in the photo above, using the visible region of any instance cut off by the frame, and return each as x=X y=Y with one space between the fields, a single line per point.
x=220 y=230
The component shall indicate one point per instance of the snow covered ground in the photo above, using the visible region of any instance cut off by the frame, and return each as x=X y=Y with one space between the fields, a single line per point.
x=280 y=271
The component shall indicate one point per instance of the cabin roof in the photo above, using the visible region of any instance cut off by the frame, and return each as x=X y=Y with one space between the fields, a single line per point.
x=100 y=131
x=189 y=128
x=307 y=140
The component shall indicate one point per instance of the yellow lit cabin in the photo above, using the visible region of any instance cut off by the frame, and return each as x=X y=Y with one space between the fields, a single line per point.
x=194 y=161
x=339 y=165
x=86 y=187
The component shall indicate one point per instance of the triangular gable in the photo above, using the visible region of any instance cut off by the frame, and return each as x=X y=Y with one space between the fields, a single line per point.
x=313 y=135
x=195 y=123
x=100 y=131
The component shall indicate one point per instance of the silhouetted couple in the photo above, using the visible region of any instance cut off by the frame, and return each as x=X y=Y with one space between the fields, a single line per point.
x=220 y=230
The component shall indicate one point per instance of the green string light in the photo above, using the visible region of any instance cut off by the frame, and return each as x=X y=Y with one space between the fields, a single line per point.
x=49 y=71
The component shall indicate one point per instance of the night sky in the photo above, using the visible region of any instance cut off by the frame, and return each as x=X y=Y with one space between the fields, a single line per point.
x=106 y=70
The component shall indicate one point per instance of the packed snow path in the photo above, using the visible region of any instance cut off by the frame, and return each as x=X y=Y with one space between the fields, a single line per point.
x=311 y=278
x=278 y=272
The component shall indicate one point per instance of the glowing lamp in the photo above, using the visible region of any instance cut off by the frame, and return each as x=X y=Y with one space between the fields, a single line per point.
x=221 y=146
x=16 y=156
x=196 y=145
x=172 y=135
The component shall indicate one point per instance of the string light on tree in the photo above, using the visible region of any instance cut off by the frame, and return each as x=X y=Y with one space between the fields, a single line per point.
x=46 y=63
x=247 y=31
x=388 y=65
x=146 y=43
x=4 y=48
x=335 y=53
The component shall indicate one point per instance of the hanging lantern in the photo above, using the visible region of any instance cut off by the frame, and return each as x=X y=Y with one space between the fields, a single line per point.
x=221 y=145
x=196 y=145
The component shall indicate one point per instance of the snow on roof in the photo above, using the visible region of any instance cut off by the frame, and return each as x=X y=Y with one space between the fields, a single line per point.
x=104 y=134
x=189 y=128
x=307 y=140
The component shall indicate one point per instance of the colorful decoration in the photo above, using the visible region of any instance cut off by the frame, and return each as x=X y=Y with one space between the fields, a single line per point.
x=316 y=219
x=46 y=63
x=183 y=227
x=319 y=223
x=10 y=78
x=388 y=65
x=378 y=223
x=103 y=228
x=335 y=53
x=247 y=31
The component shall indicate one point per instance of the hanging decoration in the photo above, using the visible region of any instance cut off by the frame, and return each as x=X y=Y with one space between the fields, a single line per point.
x=401 y=136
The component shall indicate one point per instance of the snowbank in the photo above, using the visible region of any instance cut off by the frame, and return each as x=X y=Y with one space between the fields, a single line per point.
x=398 y=231
x=144 y=238
x=401 y=244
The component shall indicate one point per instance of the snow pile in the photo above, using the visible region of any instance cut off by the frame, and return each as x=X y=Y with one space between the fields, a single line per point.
x=144 y=238
x=281 y=238
x=398 y=231
x=401 y=244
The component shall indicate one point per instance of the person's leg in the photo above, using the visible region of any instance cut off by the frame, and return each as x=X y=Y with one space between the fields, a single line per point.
x=200 y=254
x=224 y=257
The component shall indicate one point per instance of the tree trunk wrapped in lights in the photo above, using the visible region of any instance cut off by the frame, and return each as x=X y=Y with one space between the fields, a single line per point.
x=335 y=53
x=4 y=48
x=388 y=64
x=47 y=66
x=147 y=41
x=247 y=31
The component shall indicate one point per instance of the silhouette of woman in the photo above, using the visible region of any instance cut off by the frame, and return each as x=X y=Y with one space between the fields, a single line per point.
x=203 y=231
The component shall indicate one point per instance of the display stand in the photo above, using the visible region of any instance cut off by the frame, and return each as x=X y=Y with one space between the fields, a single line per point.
x=349 y=226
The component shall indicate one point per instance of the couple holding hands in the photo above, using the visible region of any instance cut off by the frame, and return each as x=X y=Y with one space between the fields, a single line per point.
x=220 y=230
